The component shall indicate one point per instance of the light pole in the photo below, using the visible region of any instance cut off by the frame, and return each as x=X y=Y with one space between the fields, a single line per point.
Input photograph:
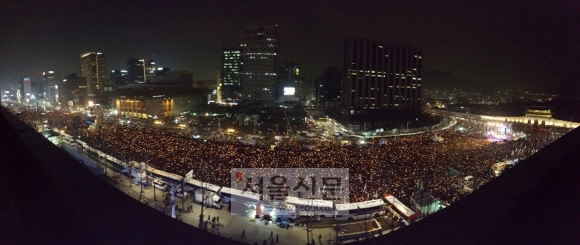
x=105 y=164
x=144 y=71
x=337 y=223
x=130 y=170
x=61 y=132
x=201 y=226
x=141 y=179
x=154 y=195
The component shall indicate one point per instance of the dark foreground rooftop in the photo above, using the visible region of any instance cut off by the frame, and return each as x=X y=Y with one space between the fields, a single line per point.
x=47 y=198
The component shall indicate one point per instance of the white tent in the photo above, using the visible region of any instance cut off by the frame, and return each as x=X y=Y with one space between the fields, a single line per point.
x=247 y=142
x=437 y=138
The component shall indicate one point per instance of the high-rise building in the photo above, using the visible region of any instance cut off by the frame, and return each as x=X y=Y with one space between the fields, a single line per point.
x=36 y=89
x=288 y=79
x=260 y=49
x=151 y=68
x=231 y=73
x=72 y=89
x=25 y=89
x=119 y=77
x=328 y=87
x=50 y=82
x=288 y=87
x=380 y=75
x=136 y=70
x=93 y=68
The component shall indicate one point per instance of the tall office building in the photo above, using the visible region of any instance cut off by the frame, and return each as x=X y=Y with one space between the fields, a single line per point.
x=288 y=80
x=151 y=69
x=260 y=47
x=329 y=87
x=93 y=68
x=136 y=70
x=380 y=75
x=72 y=89
x=50 y=82
x=119 y=77
x=25 y=89
x=231 y=73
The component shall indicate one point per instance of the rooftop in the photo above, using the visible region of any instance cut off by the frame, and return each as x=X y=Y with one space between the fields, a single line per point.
x=533 y=203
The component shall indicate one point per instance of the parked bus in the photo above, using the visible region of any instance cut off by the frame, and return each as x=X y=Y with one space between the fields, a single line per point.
x=169 y=178
x=404 y=211
x=192 y=184
x=271 y=210
x=311 y=207
x=360 y=210
x=246 y=197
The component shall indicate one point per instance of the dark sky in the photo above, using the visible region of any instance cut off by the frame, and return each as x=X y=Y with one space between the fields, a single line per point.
x=499 y=43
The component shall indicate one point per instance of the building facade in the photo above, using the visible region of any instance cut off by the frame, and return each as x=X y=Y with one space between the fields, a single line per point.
x=380 y=75
x=151 y=69
x=93 y=68
x=119 y=77
x=328 y=87
x=50 y=82
x=136 y=72
x=158 y=104
x=72 y=89
x=231 y=73
x=25 y=89
x=288 y=87
x=260 y=48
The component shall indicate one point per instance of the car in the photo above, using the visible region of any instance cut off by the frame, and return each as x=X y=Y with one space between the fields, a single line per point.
x=181 y=194
x=144 y=182
x=160 y=185
x=283 y=222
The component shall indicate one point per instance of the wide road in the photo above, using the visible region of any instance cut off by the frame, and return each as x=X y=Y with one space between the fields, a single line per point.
x=229 y=225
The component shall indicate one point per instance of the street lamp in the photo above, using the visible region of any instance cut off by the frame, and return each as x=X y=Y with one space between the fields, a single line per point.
x=154 y=195
x=60 y=136
x=130 y=170
x=141 y=178
x=204 y=173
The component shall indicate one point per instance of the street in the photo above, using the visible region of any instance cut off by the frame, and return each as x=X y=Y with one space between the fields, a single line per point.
x=230 y=226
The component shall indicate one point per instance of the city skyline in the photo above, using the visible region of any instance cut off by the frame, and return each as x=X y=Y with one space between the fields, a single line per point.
x=499 y=44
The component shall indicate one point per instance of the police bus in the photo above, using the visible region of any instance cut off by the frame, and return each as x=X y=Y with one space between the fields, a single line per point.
x=360 y=210
x=408 y=214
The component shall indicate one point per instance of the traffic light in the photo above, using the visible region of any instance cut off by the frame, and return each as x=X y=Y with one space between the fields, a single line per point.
x=416 y=119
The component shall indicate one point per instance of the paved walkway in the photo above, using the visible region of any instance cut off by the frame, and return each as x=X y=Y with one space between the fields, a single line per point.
x=230 y=226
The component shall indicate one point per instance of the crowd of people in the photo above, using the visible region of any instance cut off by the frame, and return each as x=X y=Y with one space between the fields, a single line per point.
x=392 y=165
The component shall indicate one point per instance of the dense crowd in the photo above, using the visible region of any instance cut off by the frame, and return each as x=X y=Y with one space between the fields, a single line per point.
x=392 y=165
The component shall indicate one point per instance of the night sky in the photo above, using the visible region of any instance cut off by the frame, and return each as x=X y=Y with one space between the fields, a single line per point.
x=497 y=43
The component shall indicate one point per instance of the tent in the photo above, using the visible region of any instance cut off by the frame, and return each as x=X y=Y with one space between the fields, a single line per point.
x=437 y=138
